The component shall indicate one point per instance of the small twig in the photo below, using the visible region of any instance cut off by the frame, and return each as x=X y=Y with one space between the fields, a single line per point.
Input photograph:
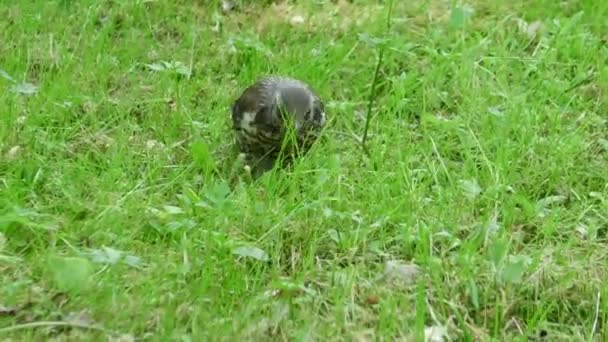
x=443 y=166
x=597 y=314
x=372 y=97
x=579 y=83
x=372 y=93
x=120 y=200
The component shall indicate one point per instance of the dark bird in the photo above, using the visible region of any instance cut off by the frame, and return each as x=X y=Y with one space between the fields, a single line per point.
x=276 y=114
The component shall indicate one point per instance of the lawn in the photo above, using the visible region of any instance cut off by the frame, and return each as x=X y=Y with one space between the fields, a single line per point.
x=476 y=209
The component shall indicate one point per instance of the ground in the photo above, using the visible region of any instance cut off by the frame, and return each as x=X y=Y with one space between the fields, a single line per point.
x=478 y=212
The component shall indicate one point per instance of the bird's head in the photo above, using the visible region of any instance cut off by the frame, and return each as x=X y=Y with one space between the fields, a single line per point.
x=302 y=106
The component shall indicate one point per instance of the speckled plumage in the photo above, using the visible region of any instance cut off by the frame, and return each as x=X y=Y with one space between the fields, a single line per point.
x=267 y=110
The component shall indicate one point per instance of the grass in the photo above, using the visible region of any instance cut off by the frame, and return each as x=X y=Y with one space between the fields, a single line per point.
x=482 y=207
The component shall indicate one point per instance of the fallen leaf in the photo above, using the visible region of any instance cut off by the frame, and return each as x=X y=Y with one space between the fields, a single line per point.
x=111 y=256
x=370 y=40
x=24 y=88
x=493 y=225
x=6 y=311
x=251 y=252
x=372 y=299
x=79 y=318
x=60 y=299
x=549 y=200
x=297 y=20
x=534 y=28
x=21 y=119
x=543 y=205
x=435 y=334
x=173 y=210
x=102 y=141
x=133 y=261
x=154 y=145
x=496 y=111
x=106 y=255
x=471 y=188
x=175 y=66
x=398 y=271
x=228 y=6
x=582 y=230
x=13 y=152
x=530 y=29
x=183 y=70
x=334 y=235
x=156 y=67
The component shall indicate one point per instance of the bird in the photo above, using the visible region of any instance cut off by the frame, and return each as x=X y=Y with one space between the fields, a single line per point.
x=276 y=114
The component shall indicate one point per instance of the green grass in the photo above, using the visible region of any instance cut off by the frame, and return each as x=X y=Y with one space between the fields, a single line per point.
x=487 y=168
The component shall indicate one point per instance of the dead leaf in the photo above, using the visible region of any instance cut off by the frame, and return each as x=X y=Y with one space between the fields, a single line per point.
x=530 y=29
x=8 y=311
x=496 y=111
x=111 y=256
x=172 y=66
x=550 y=200
x=251 y=252
x=80 y=318
x=544 y=205
x=89 y=107
x=400 y=272
x=102 y=141
x=173 y=210
x=21 y=119
x=60 y=299
x=154 y=145
x=493 y=224
x=24 y=88
x=12 y=311
x=583 y=230
x=228 y=6
x=13 y=152
x=471 y=188
x=297 y=20
x=435 y=334
x=372 y=299
x=534 y=28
